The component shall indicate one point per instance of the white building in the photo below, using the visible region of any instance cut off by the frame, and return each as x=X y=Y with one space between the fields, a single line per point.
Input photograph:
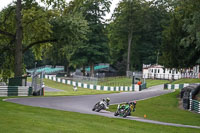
x=160 y=72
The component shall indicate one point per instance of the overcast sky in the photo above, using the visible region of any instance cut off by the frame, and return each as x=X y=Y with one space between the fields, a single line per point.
x=4 y=3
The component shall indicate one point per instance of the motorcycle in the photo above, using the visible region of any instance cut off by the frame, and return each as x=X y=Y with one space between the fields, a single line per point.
x=125 y=109
x=99 y=106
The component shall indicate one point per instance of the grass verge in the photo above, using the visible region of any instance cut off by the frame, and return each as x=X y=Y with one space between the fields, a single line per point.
x=181 y=81
x=116 y=81
x=153 y=82
x=164 y=108
x=17 y=118
x=68 y=89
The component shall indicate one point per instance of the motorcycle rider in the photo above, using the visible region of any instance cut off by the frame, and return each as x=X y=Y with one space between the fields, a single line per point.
x=106 y=100
x=134 y=106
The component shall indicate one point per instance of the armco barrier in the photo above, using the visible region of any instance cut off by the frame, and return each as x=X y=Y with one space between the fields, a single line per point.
x=15 y=91
x=97 y=87
x=175 y=86
x=195 y=105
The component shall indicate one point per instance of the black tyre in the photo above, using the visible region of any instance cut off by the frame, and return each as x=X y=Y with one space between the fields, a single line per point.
x=100 y=107
x=126 y=113
x=116 y=113
x=95 y=106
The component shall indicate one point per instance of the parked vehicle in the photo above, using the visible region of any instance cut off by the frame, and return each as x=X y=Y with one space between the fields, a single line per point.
x=125 y=109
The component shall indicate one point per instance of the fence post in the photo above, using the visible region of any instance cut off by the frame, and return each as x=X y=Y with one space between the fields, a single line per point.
x=199 y=108
x=190 y=101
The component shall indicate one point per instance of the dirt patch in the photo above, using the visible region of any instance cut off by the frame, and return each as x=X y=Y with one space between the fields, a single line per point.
x=197 y=97
x=180 y=103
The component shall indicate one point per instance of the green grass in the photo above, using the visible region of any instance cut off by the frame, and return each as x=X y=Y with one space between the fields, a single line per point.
x=153 y=82
x=181 y=81
x=124 y=81
x=68 y=89
x=164 y=108
x=17 y=118
x=116 y=81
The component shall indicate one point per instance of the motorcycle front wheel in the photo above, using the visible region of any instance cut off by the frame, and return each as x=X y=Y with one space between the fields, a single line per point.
x=116 y=113
x=99 y=108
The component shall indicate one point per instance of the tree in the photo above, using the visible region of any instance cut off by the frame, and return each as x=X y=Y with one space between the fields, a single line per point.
x=181 y=45
x=70 y=30
x=135 y=33
x=34 y=31
x=96 y=48
x=18 y=45
x=23 y=33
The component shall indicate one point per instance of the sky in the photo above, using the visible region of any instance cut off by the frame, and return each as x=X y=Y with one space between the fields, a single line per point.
x=4 y=3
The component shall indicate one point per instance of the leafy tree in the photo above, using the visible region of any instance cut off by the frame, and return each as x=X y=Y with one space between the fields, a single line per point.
x=70 y=30
x=137 y=28
x=95 y=48
x=23 y=33
x=35 y=31
x=181 y=46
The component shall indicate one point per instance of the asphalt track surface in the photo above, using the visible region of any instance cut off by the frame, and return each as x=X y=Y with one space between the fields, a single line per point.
x=85 y=103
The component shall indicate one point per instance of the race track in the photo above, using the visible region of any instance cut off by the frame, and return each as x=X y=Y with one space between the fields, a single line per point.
x=85 y=103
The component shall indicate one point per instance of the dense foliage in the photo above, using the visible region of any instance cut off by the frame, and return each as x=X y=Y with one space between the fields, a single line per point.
x=76 y=34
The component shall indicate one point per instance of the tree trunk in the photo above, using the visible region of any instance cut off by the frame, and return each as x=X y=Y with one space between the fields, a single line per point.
x=66 y=69
x=83 y=70
x=18 y=45
x=92 y=70
x=130 y=36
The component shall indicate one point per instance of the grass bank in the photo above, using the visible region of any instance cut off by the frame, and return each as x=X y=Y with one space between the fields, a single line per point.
x=116 y=81
x=17 y=118
x=68 y=89
x=153 y=82
x=164 y=108
x=181 y=81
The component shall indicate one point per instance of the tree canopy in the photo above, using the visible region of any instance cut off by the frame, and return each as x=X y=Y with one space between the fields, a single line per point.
x=76 y=34
x=181 y=45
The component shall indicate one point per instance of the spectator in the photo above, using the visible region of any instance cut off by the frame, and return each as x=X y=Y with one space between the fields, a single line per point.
x=139 y=82
x=75 y=88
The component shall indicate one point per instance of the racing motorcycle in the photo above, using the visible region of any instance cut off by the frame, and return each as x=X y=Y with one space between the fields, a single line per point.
x=125 y=109
x=103 y=104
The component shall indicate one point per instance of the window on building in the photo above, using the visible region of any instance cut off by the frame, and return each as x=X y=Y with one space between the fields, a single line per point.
x=163 y=70
x=158 y=70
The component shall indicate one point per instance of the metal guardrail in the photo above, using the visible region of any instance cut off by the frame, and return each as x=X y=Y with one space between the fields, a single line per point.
x=195 y=105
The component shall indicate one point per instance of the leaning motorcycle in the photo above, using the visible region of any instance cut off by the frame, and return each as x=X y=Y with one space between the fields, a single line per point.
x=125 y=109
x=99 y=106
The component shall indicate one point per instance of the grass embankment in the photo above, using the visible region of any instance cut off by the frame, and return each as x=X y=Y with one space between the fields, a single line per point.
x=68 y=89
x=153 y=82
x=181 y=81
x=116 y=81
x=164 y=108
x=17 y=118
x=124 y=81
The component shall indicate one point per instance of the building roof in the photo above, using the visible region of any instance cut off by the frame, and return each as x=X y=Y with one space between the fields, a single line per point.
x=152 y=66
